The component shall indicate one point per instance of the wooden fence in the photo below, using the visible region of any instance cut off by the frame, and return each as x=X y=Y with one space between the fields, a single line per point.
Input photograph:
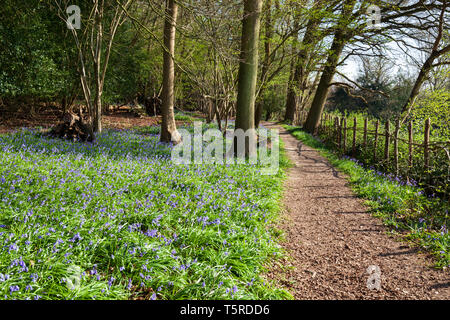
x=414 y=162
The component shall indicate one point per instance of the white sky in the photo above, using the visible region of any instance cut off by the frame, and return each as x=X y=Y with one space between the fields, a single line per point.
x=401 y=61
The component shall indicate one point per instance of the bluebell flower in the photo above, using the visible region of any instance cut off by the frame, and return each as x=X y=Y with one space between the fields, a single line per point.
x=13 y=289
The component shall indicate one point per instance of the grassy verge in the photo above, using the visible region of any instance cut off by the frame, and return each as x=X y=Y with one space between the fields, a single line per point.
x=185 y=116
x=413 y=216
x=118 y=220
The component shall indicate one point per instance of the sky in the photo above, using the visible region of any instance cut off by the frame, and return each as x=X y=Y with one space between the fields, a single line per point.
x=402 y=62
x=350 y=69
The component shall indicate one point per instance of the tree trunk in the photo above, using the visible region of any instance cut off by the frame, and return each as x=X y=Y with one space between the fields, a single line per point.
x=289 y=112
x=265 y=67
x=169 y=131
x=428 y=65
x=248 y=66
x=291 y=103
x=341 y=37
x=98 y=111
x=97 y=70
x=312 y=121
x=301 y=73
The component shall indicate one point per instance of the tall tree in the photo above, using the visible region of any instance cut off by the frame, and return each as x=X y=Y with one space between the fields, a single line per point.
x=248 y=66
x=298 y=81
x=169 y=132
x=437 y=51
x=268 y=31
x=341 y=37
x=89 y=42
x=397 y=18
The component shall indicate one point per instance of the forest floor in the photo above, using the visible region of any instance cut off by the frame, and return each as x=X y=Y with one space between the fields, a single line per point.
x=117 y=219
x=332 y=239
x=121 y=118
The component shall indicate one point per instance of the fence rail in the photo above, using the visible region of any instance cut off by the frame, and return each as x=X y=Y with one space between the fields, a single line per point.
x=423 y=161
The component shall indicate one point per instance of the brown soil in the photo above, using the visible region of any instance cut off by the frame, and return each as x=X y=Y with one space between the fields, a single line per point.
x=123 y=118
x=331 y=240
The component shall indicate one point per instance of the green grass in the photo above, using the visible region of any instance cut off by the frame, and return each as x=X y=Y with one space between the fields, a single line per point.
x=185 y=116
x=421 y=220
x=118 y=220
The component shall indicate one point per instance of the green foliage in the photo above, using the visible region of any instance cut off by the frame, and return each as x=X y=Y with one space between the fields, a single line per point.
x=436 y=106
x=129 y=67
x=273 y=102
x=33 y=60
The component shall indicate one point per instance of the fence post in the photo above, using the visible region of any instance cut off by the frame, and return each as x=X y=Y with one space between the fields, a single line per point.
x=426 y=141
x=397 y=129
x=354 y=137
x=377 y=124
x=328 y=125
x=338 y=132
x=386 y=144
x=344 y=134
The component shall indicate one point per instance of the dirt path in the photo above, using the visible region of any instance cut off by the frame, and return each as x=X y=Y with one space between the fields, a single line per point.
x=332 y=240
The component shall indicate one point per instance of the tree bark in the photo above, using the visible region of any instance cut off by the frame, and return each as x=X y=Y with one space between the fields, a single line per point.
x=313 y=118
x=97 y=121
x=169 y=131
x=265 y=66
x=341 y=37
x=248 y=66
x=299 y=79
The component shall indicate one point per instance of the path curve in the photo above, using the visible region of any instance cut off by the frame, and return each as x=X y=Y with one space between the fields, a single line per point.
x=331 y=240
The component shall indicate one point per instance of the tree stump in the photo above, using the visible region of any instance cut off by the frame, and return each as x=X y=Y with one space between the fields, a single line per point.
x=153 y=106
x=74 y=128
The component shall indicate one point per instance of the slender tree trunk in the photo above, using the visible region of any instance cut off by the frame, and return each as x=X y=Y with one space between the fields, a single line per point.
x=289 y=112
x=421 y=78
x=341 y=37
x=428 y=65
x=248 y=66
x=169 y=131
x=299 y=79
x=97 y=69
x=247 y=76
x=312 y=121
x=265 y=67
x=258 y=112
x=95 y=45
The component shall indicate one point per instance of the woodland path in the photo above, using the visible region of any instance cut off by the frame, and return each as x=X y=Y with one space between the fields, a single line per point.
x=331 y=240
